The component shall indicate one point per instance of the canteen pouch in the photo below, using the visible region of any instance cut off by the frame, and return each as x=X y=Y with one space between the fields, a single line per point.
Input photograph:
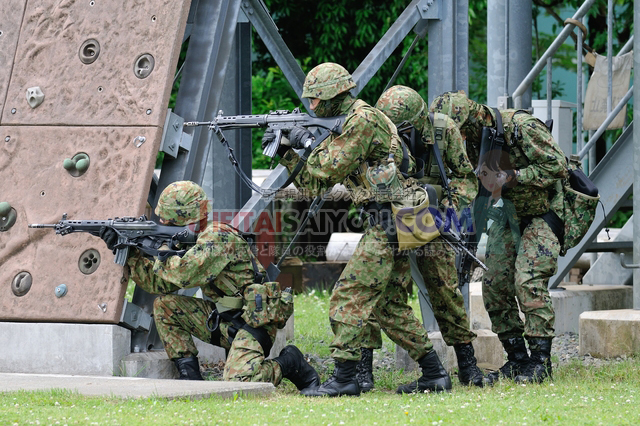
x=267 y=304
x=384 y=181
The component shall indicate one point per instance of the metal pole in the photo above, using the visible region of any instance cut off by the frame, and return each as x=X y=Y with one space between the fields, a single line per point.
x=549 y=88
x=627 y=47
x=609 y=55
x=636 y=162
x=579 y=140
x=508 y=49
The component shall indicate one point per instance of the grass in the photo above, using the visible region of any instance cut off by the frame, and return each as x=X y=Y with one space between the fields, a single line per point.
x=578 y=395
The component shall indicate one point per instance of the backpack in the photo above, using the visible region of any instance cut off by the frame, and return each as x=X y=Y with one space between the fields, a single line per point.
x=580 y=201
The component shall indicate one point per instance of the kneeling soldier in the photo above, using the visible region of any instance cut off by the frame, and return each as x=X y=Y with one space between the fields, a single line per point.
x=235 y=317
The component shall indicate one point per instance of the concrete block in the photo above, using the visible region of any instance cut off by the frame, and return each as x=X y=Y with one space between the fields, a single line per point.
x=478 y=316
x=569 y=301
x=342 y=245
x=487 y=348
x=606 y=269
x=284 y=334
x=608 y=334
x=150 y=365
x=576 y=299
x=54 y=348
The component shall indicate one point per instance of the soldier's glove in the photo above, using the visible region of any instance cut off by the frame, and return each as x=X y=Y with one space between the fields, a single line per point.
x=269 y=136
x=300 y=137
x=110 y=237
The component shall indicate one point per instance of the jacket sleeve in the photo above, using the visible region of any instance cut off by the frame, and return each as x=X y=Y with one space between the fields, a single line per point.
x=464 y=182
x=336 y=157
x=546 y=159
x=198 y=267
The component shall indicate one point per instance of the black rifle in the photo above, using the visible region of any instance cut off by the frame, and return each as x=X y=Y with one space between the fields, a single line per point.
x=145 y=235
x=279 y=121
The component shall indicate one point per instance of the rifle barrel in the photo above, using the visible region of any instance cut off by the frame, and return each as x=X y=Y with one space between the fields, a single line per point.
x=42 y=225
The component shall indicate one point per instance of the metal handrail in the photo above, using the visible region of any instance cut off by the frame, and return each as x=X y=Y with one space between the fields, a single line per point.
x=542 y=62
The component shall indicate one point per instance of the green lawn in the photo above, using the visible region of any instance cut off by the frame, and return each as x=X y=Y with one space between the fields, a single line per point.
x=578 y=395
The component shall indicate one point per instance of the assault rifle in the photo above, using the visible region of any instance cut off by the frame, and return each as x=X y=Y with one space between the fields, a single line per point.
x=280 y=121
x=145 y=235
x=465 y=250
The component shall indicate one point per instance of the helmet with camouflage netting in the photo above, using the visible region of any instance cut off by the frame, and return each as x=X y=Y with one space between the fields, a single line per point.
x=453 y=104
x=402 y=103
x=182 y=203
x=326 y=81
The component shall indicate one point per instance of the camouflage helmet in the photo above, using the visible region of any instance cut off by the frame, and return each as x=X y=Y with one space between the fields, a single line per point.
x=327 y=81
x=402 y=103
x=453 y=104
x=182 y=203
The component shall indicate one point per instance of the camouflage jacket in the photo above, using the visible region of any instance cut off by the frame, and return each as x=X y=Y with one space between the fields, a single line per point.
x=219 y=257
x=366 y=137
x=464 y=183
x=532 y=150
x=538 y=157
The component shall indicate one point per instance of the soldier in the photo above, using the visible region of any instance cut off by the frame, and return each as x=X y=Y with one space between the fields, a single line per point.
x=222 y=265
x=519 y=272
x=375 y=279
x=436 y=261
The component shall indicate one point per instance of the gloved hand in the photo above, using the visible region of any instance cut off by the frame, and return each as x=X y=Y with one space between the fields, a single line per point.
x=109 y=236
x=269 y=136
x=298 y=136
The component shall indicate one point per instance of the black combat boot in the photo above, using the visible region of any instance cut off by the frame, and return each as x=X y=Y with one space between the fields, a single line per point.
x=342 y=382
x=188 y=368
x=434 y=377
x=364 y=370
x=295 y=368
x=540 y=361
x=468 y=371
x=517 y=360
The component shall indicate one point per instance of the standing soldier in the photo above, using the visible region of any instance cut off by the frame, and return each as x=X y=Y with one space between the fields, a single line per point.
x=222 y=265
x=375 y=279
x=436 y=261
x=519 y=271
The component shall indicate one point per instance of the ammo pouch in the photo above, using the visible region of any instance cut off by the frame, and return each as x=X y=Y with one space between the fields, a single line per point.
x=580 y=202
x=414 y=223
x=266 y=304
x=384 y=180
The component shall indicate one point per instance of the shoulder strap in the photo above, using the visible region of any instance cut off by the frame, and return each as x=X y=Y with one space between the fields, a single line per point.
x=438 y=136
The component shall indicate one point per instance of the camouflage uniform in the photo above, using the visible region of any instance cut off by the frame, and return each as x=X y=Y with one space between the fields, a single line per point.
x=221 y=258
x=373 y=282
x=521 y=273
x=436 y=261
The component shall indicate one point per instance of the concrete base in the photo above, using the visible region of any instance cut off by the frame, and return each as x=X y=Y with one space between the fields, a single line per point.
x=54 y=348
x=129 y=387
x=569 y=301
x=95 y=350
x=486 y=346
x=609 y=334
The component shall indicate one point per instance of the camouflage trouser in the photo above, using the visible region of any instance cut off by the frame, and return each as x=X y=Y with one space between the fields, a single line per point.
x=436 y=262
x=373 y=284
x=520 y=278
x=178 y=318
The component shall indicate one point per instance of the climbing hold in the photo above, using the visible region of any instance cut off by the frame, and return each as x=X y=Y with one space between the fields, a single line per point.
x=34 y=96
